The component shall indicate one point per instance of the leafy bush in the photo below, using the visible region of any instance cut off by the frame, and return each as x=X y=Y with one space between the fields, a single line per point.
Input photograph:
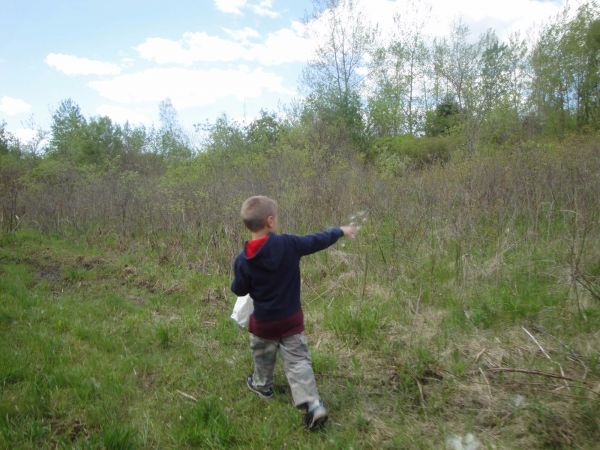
x=395 y=155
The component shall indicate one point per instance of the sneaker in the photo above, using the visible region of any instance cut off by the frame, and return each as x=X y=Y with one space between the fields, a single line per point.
x=316 y=417
x=268 y=393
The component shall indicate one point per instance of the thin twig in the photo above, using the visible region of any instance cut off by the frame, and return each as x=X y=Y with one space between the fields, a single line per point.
x=364 y=284
x=537 y=343
x=419 y=300
x=535 y=372
x=547 y=355
x=188 y=396
x=479 y=354
x=330 y=302
x=539 y=387
x=381 y=251
x=588 y=285
x=572 y=354
x=421 y=395
x=486 y=382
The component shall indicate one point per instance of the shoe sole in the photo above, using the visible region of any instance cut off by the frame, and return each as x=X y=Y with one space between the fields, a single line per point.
x=257 y=392
x=318 y=422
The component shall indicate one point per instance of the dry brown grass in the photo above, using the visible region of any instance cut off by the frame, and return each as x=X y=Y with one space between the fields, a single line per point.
x=391 y=317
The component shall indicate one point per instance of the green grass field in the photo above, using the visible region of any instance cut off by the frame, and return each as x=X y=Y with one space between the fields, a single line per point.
x=117 y=347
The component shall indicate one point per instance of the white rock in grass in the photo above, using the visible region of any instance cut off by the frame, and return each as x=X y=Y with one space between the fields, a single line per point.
x=466 y=442
x=518 y=401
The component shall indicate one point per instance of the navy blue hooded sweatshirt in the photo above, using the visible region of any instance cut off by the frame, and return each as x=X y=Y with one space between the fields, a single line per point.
x=272 y=275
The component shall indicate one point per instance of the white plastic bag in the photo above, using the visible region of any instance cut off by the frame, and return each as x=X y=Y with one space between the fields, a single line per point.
x=242 y=309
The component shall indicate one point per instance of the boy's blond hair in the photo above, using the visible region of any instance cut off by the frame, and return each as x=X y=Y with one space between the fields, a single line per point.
x=255 y=211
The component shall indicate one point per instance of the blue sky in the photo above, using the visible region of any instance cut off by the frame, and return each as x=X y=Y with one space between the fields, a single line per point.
x=120 y=58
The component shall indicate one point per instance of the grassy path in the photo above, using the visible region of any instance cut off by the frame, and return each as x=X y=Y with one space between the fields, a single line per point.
x=107 y=347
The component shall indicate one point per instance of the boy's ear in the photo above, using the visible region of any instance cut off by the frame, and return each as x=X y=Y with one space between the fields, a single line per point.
x=270 y=221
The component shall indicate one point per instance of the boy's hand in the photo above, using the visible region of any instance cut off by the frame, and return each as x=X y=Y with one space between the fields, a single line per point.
x=349 y=231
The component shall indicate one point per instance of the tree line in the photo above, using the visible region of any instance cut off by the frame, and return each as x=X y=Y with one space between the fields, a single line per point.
x=373 y=107
x=487 y=90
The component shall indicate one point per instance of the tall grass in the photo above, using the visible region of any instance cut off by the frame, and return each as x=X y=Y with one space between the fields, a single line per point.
x=115 y=333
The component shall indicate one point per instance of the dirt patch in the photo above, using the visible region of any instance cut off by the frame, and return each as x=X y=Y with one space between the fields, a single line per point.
x=129 y=270
x=159 y=317
x=74 y=428
x=51 y=273
x=89 y=262
x=149 y=285
x=136 y=299
x=145 y=380
x=45 y=270
x=173 y=288
x=215 y=295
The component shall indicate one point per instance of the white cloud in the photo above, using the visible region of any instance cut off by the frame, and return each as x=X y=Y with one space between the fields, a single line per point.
x=230 y=6
x=362 y=71
x=243 y=34
x=25 y=134
x=505 y=17
x=123 y=114
x=127 y=62
x=74 y=65
x=265 y=8
x=193 y=47
x=293 y=44
x=12 y=106
x=189 y=88
x=285 y=45
x=262 y=8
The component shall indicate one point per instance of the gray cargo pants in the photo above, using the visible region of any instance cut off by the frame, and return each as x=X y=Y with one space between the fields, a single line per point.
x=296 y=365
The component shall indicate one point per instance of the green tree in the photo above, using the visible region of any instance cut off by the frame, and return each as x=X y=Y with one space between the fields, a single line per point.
x=445 y=119
x=398 y=71
x=96 y=141
x=225 y=136
x=263 y=133
x=581 y=44
x=172 y=141
x=456 y=64
x=8 y=142
x=332 y=79
x=103 y=141
x=12 y=168
x=566 y=72
x=386 y=105
x=494 y=71
x=68 y=131
x=500 y=87
x=456 y=61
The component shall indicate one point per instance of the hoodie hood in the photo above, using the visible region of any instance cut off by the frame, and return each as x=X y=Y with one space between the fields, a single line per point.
x=269 y=255
x=252 y=247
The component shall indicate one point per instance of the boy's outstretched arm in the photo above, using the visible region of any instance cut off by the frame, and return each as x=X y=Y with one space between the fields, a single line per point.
x=240 y=285
x=311 y=243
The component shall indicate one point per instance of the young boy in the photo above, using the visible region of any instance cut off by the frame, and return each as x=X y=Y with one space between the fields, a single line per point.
x=269 y=270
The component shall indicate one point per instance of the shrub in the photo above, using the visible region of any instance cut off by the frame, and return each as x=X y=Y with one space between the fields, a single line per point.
x=394 y=155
